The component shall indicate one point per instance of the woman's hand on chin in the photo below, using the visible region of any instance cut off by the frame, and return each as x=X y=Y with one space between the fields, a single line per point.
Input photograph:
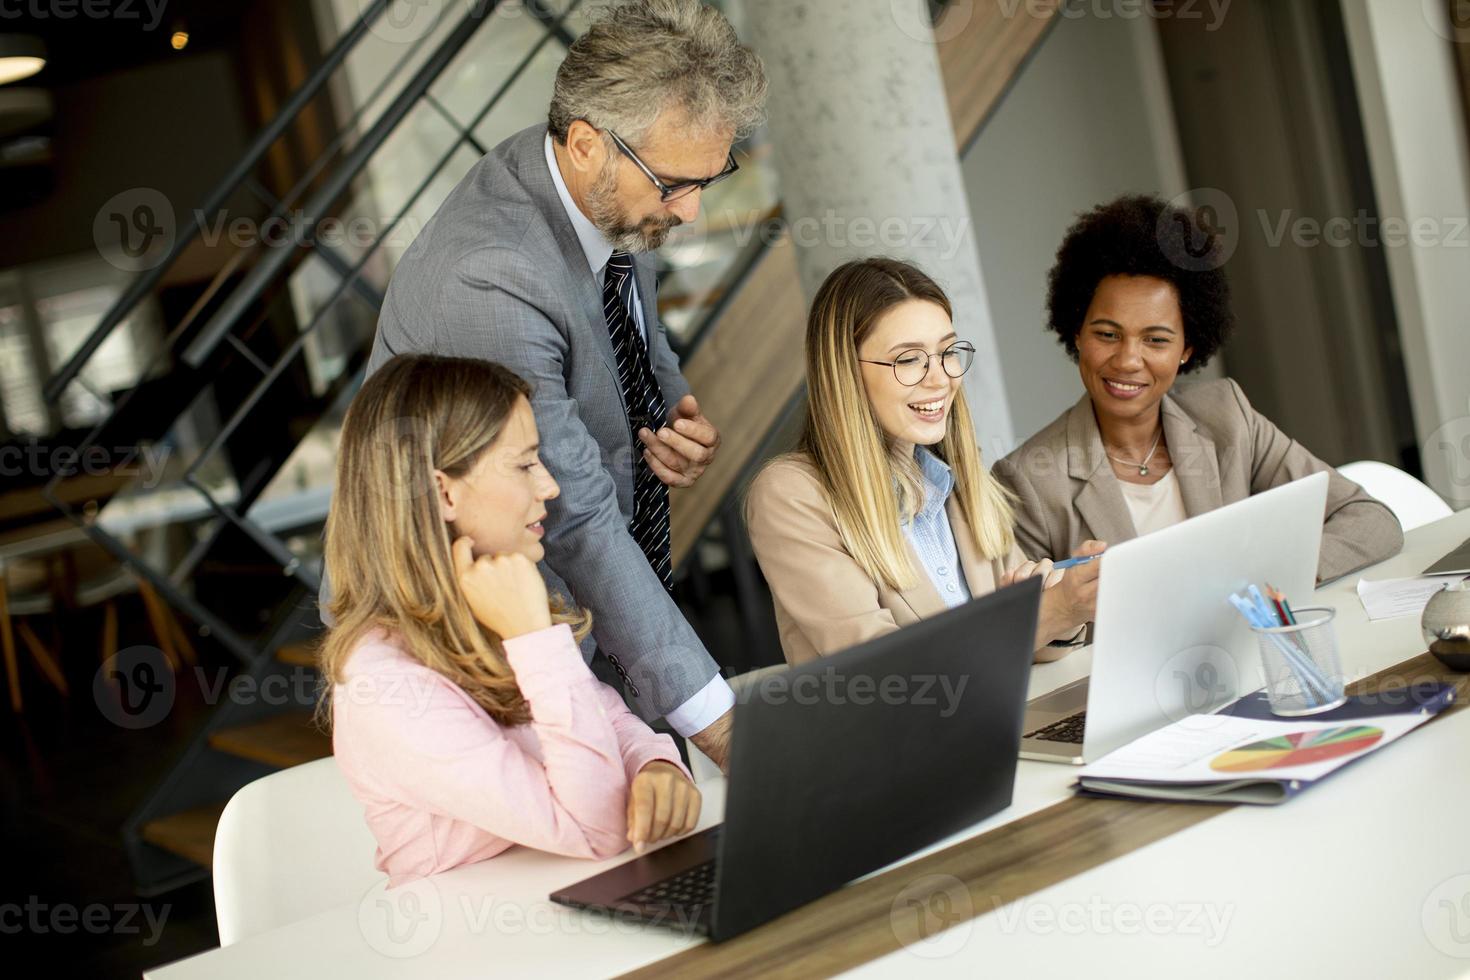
x=505 y=592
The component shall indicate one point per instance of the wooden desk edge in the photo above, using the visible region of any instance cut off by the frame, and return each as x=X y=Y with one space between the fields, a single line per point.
x=881 y=915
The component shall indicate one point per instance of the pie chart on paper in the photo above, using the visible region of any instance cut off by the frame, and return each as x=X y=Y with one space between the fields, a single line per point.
x=1298 y=749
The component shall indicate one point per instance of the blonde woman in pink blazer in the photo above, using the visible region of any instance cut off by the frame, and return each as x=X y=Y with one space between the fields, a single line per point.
x=462 y=712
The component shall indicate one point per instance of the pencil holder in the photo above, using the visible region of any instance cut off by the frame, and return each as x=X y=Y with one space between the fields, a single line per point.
x=1303 y=674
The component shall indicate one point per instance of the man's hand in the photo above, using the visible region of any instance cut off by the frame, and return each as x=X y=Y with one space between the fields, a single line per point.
x=662 y=803
x=714 y=741
x=679 y=452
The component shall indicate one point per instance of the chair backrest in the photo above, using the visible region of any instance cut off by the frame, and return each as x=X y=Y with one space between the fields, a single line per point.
x=1411 y=501
x=288 y=846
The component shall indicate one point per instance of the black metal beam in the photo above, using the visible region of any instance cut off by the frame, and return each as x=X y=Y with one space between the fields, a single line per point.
x=316 y=209
x=145 y=283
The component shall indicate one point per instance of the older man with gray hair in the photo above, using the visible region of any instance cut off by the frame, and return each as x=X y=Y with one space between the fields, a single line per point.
x=538 y=261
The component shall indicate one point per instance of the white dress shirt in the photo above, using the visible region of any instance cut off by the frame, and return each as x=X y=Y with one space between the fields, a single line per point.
x=716 y=697
x=594 y=246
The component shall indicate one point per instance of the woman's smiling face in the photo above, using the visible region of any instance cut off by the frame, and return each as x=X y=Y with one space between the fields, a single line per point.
x=1131 y=346
x=918 y=414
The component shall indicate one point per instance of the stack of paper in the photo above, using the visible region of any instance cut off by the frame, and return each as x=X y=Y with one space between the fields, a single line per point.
x=1393 y=597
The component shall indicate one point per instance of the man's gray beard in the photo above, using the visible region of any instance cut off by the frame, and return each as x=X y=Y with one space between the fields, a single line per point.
x=602 y=207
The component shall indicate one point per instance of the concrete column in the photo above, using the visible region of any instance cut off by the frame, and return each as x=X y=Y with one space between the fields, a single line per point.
x=866 y=155
x=1413 y=117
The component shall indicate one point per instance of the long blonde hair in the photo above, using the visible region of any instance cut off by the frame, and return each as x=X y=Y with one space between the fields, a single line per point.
x=853 y=456
x=388 y=551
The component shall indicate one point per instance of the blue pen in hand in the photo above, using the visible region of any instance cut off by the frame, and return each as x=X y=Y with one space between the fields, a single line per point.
x=1072 y=562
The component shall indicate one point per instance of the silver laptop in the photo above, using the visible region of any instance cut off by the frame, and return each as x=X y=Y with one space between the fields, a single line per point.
x=1166 y=642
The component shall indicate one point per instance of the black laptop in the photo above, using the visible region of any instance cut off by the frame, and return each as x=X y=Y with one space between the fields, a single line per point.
x=843 y=765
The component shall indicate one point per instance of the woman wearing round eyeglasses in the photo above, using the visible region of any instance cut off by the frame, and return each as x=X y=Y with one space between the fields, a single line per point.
x=885 y=514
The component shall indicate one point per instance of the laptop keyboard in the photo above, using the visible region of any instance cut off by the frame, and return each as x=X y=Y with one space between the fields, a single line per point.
x=1069 y=729
x=689 y=888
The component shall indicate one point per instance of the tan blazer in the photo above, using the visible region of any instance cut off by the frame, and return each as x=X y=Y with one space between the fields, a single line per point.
x=1222 y=449
x=824 y=600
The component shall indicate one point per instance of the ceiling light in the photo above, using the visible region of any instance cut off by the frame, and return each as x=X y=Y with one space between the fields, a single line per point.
x=180 y=40
x=21 y=56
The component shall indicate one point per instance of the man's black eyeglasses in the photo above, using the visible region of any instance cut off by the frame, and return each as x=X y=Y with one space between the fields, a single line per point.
x=672 y=192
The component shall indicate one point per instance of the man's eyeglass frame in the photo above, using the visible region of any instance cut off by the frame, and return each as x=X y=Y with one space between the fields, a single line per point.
x=672 y=192
x=961 y=345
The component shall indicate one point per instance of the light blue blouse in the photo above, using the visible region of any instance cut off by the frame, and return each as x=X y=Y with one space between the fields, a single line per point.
x=930 y=534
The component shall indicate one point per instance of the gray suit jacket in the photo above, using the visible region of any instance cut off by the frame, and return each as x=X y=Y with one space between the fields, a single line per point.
x=498 y=274
x=1222 y=449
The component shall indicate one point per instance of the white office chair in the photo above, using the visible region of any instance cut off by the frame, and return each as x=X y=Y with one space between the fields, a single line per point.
x=701 y=766
x=1411 y=501
x=288 y=846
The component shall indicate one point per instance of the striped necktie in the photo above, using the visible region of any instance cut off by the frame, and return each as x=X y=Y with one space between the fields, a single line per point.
x=646 y=409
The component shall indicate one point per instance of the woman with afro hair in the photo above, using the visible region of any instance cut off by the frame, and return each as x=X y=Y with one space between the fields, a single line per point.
x=1138 y=297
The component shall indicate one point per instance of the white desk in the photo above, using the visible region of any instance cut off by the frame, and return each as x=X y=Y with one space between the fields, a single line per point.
x=1339 y=882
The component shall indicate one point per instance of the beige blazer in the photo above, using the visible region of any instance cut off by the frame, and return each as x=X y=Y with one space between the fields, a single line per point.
x=824 y=600
x=1222 y=450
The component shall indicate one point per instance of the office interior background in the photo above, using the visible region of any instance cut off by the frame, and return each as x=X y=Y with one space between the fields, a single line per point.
x=203 y=201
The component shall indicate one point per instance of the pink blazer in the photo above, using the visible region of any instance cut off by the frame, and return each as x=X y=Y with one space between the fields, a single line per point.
x=443 y=784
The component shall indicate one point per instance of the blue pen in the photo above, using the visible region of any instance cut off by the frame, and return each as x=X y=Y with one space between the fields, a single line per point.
x=1073 y=562
x=1253 y=617
x=1308 y=677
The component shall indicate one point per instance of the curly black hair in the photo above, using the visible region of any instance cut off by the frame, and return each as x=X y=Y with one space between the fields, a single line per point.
x=1144 y=236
